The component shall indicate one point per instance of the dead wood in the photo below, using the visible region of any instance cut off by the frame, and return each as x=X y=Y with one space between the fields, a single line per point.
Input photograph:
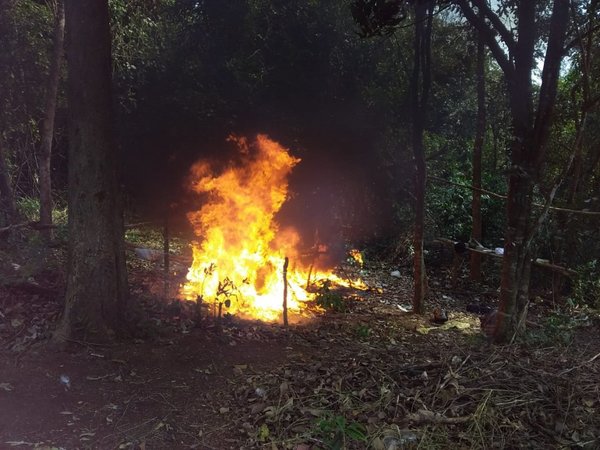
x=423 y=416
x=536 y=262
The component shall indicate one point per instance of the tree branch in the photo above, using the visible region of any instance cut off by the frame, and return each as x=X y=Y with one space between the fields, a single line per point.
x=487 y=34
x=506 y=35
x=550 y=75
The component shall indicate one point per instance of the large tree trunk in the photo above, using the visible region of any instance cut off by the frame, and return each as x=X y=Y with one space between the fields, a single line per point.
x=420 y=83
x=476 y=232
x=96 y=297
x=530 y=135
x=48 y=122
x=7 y=200
x=514 y=285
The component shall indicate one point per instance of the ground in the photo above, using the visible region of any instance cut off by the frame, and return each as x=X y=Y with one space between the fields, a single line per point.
x=371 y=376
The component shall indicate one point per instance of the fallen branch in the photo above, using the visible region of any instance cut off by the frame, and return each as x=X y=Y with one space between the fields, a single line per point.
x=155 y=255
x=130 y=226
x=592 y=359
x=33 y=224
x=31 y=287
x=423 y=416
x=537 y=262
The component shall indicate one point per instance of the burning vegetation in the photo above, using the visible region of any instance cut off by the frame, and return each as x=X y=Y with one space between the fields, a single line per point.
x=239 y=258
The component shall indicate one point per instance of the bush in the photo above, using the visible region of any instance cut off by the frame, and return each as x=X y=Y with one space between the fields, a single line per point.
x=586 y=287
x=328 y=299
x=29 y=208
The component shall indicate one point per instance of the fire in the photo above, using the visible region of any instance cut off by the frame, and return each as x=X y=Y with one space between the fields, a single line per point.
x=238 y=262
x=356 y=256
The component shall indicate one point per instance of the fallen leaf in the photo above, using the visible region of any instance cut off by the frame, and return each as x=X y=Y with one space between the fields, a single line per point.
x=257 y=408
x=239 y=369
x=283 y=388
x=263 y=432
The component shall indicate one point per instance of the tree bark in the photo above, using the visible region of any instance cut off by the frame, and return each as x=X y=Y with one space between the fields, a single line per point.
x=96 y=297
x=476 y=232
x=420 y=84
x=47 y=134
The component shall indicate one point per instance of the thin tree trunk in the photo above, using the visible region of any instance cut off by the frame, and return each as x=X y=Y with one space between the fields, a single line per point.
x=7 y=199
x=96 y=298
x=47 y=134
x=420 y=83
x=476 y=232
x=580 y=94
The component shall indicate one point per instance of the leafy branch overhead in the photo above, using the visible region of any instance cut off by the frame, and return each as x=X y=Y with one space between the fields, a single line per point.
x=378 y=17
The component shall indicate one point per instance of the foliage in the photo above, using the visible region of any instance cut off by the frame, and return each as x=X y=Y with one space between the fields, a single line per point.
x=586 y=287
x=29 y=208
x=329 y=299
x=449 y=207
x=363 y=331
x=26 y=29
x=335 y=431
x=557 y=330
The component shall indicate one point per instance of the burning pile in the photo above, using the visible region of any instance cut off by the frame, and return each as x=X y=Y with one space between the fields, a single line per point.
x=239 y=261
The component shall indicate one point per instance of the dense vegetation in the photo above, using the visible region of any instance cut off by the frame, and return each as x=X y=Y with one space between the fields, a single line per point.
x=188 y=73
x=443 y=290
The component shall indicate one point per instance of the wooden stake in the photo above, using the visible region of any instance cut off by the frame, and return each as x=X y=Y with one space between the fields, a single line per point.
x=308 y=278
x=285 y=311
x=198 y=310
x=166 y=262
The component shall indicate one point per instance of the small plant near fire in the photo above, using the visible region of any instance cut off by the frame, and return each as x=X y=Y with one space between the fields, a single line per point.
x=226 y=291
x=335 y=431
x=355 y=258
x=363 y=331
x=328 y=299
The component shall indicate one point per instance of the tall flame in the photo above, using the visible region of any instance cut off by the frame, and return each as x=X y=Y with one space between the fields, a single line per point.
x=239 y=261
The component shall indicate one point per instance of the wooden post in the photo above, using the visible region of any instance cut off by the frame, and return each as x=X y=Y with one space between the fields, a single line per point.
x=166 y=262
x=285 y=311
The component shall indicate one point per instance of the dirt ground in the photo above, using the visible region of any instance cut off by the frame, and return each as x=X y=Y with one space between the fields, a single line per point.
x=372 y=376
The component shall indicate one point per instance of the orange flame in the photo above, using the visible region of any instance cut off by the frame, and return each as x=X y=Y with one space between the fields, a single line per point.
x=239 y=261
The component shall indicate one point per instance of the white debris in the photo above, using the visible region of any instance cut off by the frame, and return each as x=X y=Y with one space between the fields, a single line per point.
x=148 y=254
x=66 y=381
x=395 y=274
x=260 y=392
